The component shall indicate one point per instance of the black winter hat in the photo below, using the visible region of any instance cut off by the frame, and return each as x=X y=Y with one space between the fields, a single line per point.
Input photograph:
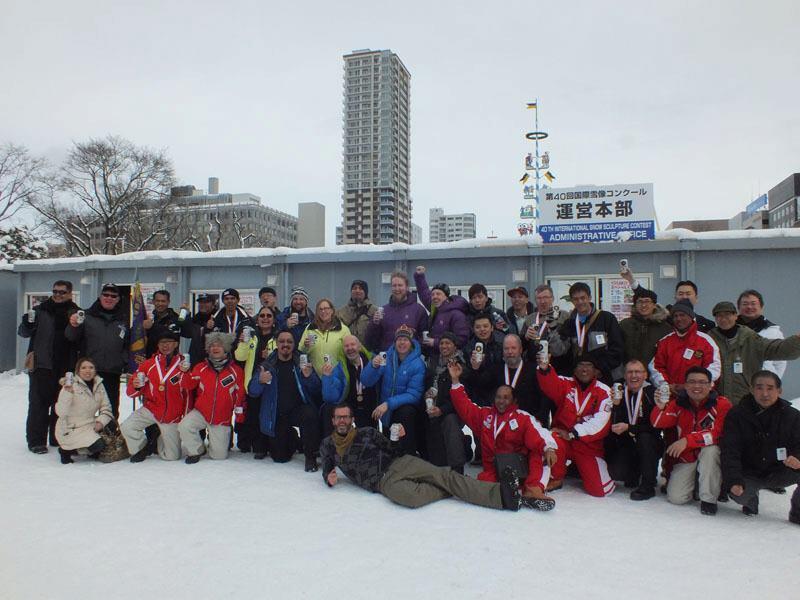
x=641 y=292
x=267 y=290
x=443 y=287
x=170 y=332
x=684 y=306
x=449 y=335
x=230 y=292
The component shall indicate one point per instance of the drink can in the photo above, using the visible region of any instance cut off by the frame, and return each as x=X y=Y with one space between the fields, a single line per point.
x=295 y=316
x=618 y=391
x=426 y=335
x=479 y=347
x=81 y=316
x=140 y=378
x=31 y=316
x=69 y=379
x=185 y=362
x=303 y=360
x=326 y=358
x=394 y=432
x=247 y=333
x=545 y=347
x=183 y=314
x=379 y=312
x=383 y=357
x=663 y=392
x=623 y=265
x=556 y=311
x=312 y=337
x=428 y=403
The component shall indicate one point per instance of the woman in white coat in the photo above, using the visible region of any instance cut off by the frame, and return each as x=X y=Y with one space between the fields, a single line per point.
x=83 y=410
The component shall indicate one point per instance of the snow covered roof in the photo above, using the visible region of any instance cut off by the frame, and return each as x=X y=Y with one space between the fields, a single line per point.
x=508 y=244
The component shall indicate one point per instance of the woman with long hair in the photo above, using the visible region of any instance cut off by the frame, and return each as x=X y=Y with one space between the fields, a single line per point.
x=323 y=337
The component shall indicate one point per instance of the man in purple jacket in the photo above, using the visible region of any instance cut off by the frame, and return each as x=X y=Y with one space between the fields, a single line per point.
x=447 y=313
x=402 y=309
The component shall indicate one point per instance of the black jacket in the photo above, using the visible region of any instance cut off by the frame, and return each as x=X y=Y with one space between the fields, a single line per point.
x=529 y=396
x=51 y=349
x=511 y=320
x=491 y=310
x=481 y=389
x=609 y=353
x=161 y=324
x=752 y=436
x=104 y=337
x=619 y=414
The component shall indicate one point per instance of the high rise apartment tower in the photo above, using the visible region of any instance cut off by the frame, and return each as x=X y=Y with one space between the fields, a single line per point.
x=376 y=202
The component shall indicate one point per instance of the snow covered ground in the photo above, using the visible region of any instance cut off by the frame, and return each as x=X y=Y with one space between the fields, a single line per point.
x=242 y=528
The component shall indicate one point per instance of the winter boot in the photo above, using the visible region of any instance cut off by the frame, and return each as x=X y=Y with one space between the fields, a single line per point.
x=536 y=499
x=140 y=455
x=509 y=489
x=192 y=460
x=643 y=493
x=708 y=508
x=66 y=456
x=95 y=449
x=311 y=464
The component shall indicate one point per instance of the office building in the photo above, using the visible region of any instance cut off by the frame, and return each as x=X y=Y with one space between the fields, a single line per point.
x=416 y=234
x=450 y=228
x=310 y=225
x=376 y=201
x=784 y=203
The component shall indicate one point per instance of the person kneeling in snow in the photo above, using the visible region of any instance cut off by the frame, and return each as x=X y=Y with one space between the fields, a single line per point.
x=503 y=429
x=371 y=461
x=219 y=383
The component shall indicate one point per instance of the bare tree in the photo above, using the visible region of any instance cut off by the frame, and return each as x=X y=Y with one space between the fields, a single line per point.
x=111 y=196
x=238 y=229
x=20 y=178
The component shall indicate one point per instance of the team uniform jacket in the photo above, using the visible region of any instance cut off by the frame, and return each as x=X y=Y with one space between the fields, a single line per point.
x=512 y=431
x=676 y=354
x=586 y=413
x=700 y=426
x=218 y=393
x=170 y=405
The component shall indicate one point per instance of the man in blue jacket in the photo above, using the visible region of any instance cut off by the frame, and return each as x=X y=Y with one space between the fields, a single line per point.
x=402 y=380
x=342 y=385
x=290 y=397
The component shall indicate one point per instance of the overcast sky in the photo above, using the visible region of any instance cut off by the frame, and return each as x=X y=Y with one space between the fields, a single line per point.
x=699 y=98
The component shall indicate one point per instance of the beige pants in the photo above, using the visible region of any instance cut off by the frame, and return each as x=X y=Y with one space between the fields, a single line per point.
x=219 y=436
x=707 y=468
x=169 y=442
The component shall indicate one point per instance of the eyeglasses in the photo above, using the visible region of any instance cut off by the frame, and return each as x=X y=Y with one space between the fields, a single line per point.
x=107 y=295
x=60 y=292
x=342 y=417
x=695 y=382
x=266 y=316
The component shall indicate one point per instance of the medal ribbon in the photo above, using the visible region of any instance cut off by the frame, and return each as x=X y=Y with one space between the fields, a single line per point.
x=161 y=377
x=512 y=382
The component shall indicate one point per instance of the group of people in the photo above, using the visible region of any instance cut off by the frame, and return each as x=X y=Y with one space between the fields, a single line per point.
x=386 y=393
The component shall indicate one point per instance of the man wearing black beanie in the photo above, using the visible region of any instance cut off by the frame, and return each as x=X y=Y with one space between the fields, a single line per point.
x=358 y=311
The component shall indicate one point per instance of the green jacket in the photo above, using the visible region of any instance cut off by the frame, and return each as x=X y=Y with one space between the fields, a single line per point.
x=641 y=334
x=751 y=350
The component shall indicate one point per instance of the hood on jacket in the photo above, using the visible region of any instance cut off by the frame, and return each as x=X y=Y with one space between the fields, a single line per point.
x=659 y=315
x=455 y=303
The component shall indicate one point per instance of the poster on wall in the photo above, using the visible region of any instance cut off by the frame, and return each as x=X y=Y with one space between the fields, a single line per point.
x=248 y=300
x=609 y=292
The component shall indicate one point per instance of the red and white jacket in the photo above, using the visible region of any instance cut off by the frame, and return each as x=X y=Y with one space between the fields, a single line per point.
x=585 y=412
x=170 y=404
x=676 y=353
x=218 y=393
x=511 y=431
x=701 y=426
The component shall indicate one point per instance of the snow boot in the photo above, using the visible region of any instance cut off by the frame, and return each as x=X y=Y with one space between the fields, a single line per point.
x=708 y=508
x=192 y=460
x=509 y=489
x=538 y=500
x=311 y=464
x=38 y=449
x=643 y=493
x=140 y=455
x=66 y=456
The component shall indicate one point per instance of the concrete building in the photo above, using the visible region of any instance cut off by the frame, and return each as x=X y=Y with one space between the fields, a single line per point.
x=707 y=258
x=222 y=221
x=376 y=200
x=784 y=203
x=700 y=225
x=450 y=228
x=416 y=234
x=310 y=225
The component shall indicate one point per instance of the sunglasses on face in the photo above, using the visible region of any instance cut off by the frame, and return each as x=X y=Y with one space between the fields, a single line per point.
x=107 y=295
x=60 y=292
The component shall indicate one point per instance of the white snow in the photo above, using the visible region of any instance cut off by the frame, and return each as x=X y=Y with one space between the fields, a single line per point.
x=244 y=528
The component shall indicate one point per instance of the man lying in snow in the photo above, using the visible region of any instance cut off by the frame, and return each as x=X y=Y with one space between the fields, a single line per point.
x=369 y=460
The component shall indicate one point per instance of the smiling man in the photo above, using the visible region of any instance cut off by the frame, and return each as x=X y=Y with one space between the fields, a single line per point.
x=761 y=446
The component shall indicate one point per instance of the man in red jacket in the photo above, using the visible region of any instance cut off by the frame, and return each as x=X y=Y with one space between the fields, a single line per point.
x=504 y=428
x=582 y=420
x=220 y=393
x=682 y=349
x=698 y=416
x=164 y=401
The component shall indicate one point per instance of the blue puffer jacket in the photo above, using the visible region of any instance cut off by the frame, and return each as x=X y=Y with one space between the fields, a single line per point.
x=309 y=388
x=336 y=386
x=401 y=383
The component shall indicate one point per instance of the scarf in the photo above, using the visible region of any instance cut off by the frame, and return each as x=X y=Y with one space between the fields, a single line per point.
x=343 y=442
x=218 y=363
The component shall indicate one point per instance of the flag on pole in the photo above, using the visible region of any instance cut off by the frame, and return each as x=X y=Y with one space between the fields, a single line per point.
x=549 y=176
x=138 y=337
x=531 y=105
x=524 y=178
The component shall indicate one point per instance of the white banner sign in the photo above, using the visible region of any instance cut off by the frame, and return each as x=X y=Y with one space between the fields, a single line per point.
x=597 y=213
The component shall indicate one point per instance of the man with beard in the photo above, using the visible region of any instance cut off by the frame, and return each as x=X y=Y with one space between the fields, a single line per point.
x=402 y=310
x=371 y=461
x=104 y=337
x=52 y=355
x=358 y=311
x=342 y=383
x=297 y=316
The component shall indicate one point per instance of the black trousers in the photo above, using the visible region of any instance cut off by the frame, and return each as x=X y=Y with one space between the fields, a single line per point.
x=752 y=485
x=111 y=383
x=634 y=460
x=408 y=416
x=43 y=391
x=249 y=434
x=305 y=416
x=446 y=441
